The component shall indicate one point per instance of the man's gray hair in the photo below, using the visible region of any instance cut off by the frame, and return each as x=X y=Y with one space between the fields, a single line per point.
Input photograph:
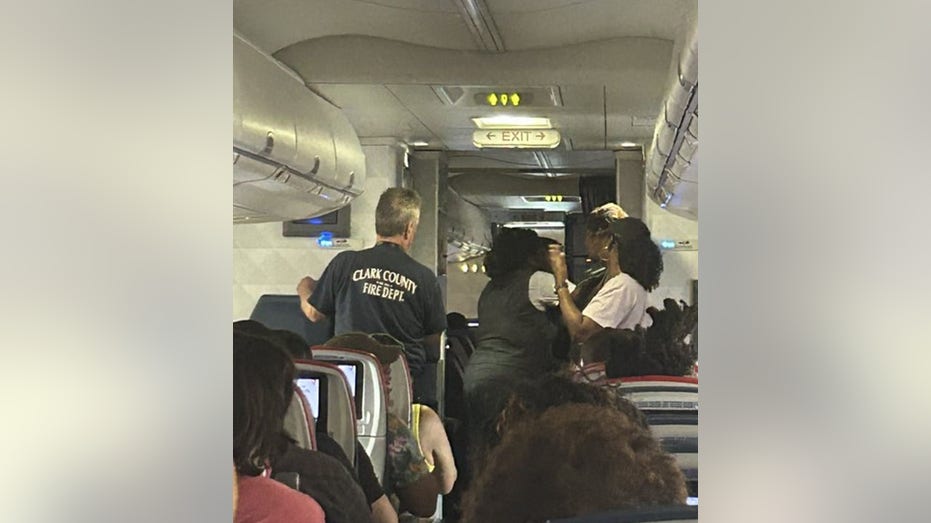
x=397 y=207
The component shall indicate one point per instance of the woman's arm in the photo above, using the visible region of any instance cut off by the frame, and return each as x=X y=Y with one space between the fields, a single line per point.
x=436 y=448
x=579 y=326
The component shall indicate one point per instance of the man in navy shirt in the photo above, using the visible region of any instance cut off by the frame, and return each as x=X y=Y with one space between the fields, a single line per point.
x=383 y=289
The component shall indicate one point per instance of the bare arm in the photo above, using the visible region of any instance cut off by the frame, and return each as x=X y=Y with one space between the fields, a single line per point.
x=580 y=327
x=419 y=497
x=383 y=512
x=436 y=449
x=304 y=289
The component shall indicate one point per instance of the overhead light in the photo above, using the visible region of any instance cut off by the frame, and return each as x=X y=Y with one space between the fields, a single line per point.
x=464 y=267
x=419 y=143
x=628 y=144
x=512 y=122
x=474 y=267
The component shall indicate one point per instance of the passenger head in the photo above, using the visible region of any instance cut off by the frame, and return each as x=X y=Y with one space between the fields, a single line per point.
x=531 y=398
x=262 y=391
x=387 y=353
x=398 y=214
x=250 y=327
x=571 y=461
x=666 y=348
x=511 y=250
x=288 y=340
x=528 y=399
x=296 y=346
x=456 y=321
x=636 y=253
x=597 y=229
x=385 y=348
x=600 y=346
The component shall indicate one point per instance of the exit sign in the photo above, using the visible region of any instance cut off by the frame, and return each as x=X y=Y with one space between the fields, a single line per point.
x=517 y=138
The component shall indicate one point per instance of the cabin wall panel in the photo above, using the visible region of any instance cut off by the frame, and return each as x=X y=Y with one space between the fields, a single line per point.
x=464 y=288
x=679 y=267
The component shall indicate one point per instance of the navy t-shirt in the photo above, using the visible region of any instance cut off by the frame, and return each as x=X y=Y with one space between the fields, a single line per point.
x=382 y=289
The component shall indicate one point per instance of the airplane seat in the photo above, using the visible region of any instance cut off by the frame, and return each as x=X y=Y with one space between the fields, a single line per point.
x=291 y=479
x=456 y=360
x=402 y=394
x=283 y=311
x=370 y=399
x=670 y=404
x=326 y=389
x=458 y=349
x=666 y=514
x=299 y=421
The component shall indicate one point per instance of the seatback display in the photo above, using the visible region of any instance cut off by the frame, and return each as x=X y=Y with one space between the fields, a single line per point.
x=355 y=378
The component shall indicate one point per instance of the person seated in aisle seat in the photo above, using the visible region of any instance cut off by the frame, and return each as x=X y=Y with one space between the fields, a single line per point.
x=290 y=341
x=456 y=324
x=665 y=348
x=420 y=464
x=363 y=471
x=573 y=460
x=263 y=375
x=531 y=398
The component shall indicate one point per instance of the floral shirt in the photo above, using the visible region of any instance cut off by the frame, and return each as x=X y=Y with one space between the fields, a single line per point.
x=406 y=463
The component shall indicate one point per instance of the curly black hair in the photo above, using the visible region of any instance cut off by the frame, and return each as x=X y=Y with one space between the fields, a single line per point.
x=637 y=255
x=573 y=460
x=530 y=398
x=510 y=250
x=665 y=348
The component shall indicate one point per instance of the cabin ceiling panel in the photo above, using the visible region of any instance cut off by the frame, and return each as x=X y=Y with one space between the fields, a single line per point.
x=635 y=62
x=276 y=24
x=374 y=111
x=522 y=24
x=530 y=24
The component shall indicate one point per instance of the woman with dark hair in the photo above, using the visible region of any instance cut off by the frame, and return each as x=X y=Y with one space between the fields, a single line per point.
x=633 y=267
x=514 y=335
x=533 y=397
x=597 y=240
x=263 y=375
x=261 y=394
x=573 y=460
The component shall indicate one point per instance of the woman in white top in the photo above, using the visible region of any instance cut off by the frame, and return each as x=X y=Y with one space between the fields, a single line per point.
x=633 y=267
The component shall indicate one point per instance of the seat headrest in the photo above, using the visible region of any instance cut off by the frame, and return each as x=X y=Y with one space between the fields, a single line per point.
x=283 y=311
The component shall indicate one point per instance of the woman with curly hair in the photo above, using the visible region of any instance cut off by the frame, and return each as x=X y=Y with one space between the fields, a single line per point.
x=573 y=460
x=633 y=267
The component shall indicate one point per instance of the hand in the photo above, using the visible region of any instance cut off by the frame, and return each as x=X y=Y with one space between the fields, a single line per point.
x=306 y=286
x=557 y=260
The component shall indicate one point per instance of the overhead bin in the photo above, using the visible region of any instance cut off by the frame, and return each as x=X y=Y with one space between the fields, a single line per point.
x=671 y=167
x=295 y=155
